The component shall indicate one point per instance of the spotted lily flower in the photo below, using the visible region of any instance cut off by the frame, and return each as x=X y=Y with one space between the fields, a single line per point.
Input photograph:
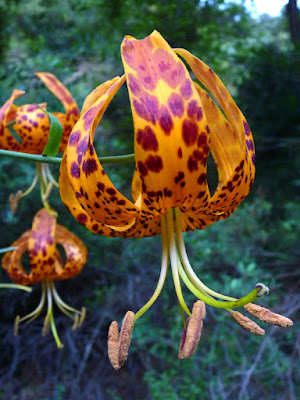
x=31 y=124
x=47 y=266
x=176 y=124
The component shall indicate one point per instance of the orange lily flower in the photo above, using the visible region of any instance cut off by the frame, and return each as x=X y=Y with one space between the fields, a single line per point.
x=47 y=266
x=176 y=125
x=31 y=124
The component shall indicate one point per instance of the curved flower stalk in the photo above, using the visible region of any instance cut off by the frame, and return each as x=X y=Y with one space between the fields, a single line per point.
x=47 y=266
x=176 y=124
x=31 y=124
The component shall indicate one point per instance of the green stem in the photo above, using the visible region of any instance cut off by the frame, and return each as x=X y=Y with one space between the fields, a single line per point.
x=7 y=249
x=57 y=160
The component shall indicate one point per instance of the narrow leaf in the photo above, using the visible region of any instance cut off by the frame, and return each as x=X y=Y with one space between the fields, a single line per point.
x=55 y=136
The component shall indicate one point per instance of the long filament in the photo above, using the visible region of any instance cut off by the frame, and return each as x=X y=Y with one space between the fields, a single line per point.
x=187 y=266
x=174 y=259
x=163 y=271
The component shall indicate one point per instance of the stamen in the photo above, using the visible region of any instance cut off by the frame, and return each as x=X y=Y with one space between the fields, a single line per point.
x=247 y=323
x=221 y=304
x=192 y=332
x=49 y=175
x=49 y=319
x=175 y=260
x=266 y=315
x=163 y=271
x=32 y=315
x=187 y=266
x=118 y=344
x=71 y=312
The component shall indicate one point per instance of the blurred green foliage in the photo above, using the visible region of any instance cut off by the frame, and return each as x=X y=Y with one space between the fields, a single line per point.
x=79 y=42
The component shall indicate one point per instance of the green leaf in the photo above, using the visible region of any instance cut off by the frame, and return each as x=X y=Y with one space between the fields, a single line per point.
x=55 y=136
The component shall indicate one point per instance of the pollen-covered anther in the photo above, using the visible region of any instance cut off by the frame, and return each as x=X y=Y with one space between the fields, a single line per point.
x=118 y=343
x=247 y=323
x=14 y=201
x=265 y=315
x=192 y=331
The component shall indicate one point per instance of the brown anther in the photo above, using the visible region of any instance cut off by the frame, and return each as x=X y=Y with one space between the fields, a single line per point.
x=118 y=343
x=14 y=201
x=247 y=323
x=192 y=332
x=265 y=315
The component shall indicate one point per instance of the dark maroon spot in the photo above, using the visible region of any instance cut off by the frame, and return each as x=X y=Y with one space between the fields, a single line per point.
x=92 y=150
x=39 y=115
x=74 y=138
x=194 y=111
x=197 y=155
x=179 y=177
x=202 y=140
x=89 y=166
x=189 y=132
x=201 y=194
x=246 y=128
x=182 y=184
x=96 y=205
x=121 y=202
x=253 y=159
x=147 y=139
x=75 y=170
x=78 y=195
x=176 y=105
x=95 y=227
x=165 y=120
x=111 y=191
x=207 y=129
x=82 y=218
x=179 y=152
x=240 y=167
x=154 y=163
x=201 y=179
x=24 y=118
x=186 y=89
x=167 y=193
x=142 y=168
x=236 y=177
x=192 y=164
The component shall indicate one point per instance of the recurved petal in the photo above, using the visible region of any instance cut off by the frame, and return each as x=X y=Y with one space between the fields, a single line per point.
x=7 y=113
x=96 y=94
x=171 y=139
x=75 y=250
x=71 y=200
x=11 y=261
x=231 y=141
x=69 y=103
x=41 y=247
x=93 y=188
